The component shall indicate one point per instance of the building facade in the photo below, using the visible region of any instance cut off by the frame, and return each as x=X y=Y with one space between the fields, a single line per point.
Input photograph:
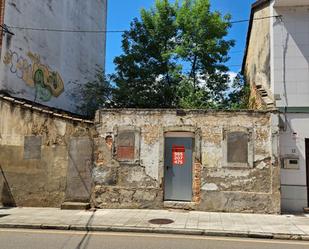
x=50 y=47
x=193 y=159
x=276 y=66
x=45 y=156
x=200 y=160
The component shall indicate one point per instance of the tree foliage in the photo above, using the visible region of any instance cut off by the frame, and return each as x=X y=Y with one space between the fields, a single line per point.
x=147 y=74
x=173 y=56
x=94 y=94
x=239 y=97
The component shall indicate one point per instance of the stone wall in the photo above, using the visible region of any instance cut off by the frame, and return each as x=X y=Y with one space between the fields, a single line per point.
x=138 y=183
x=44 y=156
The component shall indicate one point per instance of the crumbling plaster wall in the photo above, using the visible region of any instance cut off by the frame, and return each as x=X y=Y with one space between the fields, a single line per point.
x=35 y=155
x=224 y=189
x=257 y=64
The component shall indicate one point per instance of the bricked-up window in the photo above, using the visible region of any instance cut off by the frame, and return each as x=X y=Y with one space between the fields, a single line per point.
x=237 y=147
x=32 y=147
x=127 y=144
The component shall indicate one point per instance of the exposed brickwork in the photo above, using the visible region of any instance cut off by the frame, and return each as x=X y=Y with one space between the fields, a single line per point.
x=125 y=153
x=2 y=4
x=256 y=102
x=197 y=174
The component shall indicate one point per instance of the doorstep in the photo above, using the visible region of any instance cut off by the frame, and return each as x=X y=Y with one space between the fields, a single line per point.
x=75 y=206
x=179 y=205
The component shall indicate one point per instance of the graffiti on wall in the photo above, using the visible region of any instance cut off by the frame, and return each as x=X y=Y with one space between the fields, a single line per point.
x=47 y=83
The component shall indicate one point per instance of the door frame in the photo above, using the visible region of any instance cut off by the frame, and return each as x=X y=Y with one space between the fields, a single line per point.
x=178 y=134
x=307 y=167
x=196 y=173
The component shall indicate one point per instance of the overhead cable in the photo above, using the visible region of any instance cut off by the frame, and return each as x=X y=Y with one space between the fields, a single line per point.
x=112 y=31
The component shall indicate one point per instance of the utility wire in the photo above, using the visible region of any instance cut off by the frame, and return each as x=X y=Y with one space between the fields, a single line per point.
x=256 y=19
x=66 y=30
x=236 y=52
x=233 y=65
x=113 y=31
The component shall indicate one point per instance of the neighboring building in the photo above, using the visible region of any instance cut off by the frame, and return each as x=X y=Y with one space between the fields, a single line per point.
x=276 y=66
x=42 y=61
x=45 y=156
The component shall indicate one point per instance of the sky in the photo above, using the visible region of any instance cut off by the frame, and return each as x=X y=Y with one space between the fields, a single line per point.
x=122 y=12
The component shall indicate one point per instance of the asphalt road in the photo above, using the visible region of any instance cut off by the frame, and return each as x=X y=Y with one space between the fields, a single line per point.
x=39 y=239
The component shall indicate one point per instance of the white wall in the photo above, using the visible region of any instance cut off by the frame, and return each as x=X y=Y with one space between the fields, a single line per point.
x=71 y=56
x=291 y=56
x=292 y=142
x=290 y=80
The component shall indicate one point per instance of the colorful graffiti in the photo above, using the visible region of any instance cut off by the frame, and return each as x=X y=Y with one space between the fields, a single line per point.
x=47 y=83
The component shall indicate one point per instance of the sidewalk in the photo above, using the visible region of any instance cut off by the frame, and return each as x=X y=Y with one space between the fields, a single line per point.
x=185 y=222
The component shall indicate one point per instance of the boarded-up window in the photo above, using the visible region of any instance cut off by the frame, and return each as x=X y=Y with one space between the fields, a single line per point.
x=126 y=146
x=32 y=147
x=237 y=147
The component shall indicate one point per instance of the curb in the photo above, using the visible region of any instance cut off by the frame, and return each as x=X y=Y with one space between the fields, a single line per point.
x=198 y=232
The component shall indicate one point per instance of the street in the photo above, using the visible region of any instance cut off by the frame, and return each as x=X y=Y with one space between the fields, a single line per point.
x=38 y=239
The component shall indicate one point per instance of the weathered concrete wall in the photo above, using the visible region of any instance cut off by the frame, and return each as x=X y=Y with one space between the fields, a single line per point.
x=257 y=64
x=37 y=157
x=215 y=187
x=44 y=65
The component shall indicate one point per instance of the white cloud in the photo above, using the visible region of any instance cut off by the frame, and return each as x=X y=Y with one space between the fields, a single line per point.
x=232 y=77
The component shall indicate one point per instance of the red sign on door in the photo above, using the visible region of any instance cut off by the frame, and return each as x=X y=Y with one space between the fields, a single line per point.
x=178 y=155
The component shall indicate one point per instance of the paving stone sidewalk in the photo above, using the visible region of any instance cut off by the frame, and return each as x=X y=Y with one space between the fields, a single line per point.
x=185 y=222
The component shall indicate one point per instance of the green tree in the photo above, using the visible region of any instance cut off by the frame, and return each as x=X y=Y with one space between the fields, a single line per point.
x=165 y=40
x=240 y=95
x=147 y=74
x=201 y=44
x=94 y=94
x=191 y=96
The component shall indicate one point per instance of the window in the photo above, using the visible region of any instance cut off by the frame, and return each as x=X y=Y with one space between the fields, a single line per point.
x=127 y=145
x=238 y=147
x=32 y=147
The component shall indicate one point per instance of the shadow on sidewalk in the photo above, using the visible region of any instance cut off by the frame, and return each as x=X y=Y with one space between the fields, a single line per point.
x=83 y=244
